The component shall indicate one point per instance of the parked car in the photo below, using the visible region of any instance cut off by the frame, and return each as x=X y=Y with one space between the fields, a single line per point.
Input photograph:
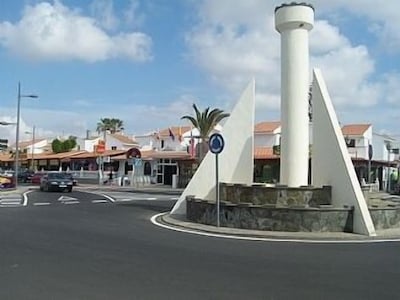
x=35 y=179
x=56 y=181
x=6 y=182
x=25 y=176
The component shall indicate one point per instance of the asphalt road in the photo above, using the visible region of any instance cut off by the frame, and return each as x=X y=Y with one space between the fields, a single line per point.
x=110 y=250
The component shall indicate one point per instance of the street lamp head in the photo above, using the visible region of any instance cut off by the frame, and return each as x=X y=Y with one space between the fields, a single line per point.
x=30 y=96
x=6 y=123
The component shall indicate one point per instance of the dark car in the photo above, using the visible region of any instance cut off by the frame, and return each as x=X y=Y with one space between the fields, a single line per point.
x=74 y=181
x=56 y=181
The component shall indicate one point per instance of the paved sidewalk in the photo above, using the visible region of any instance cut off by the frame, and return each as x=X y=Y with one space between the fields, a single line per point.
x=150 y=189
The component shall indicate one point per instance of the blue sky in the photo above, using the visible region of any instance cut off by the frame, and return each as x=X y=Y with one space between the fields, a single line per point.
x=146 y=62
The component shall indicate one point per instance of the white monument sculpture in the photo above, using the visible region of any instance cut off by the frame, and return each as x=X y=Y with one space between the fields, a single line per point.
x=331 y=163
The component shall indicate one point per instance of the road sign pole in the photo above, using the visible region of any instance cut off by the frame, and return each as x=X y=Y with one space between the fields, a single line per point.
x=217 y=187
x=216 y=145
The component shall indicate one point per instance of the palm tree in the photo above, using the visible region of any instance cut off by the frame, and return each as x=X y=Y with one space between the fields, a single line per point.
x=110 y=124
x=205 y=122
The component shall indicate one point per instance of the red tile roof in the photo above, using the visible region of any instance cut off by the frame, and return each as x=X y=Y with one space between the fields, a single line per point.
x=264 y=153
x=355 y=129
x=266 y=127
x=176 y=130
x=124 y=139
x=24 y=144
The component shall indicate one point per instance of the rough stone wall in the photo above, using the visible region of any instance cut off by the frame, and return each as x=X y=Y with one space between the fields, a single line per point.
x=385 y=218
x=280 y=196
x=271 y=218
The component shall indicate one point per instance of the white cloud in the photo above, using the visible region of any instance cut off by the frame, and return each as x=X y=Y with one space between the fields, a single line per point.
x=56 y=32
x=233 y=43
x=382 y=18
x=132 y=16
x=103 y=11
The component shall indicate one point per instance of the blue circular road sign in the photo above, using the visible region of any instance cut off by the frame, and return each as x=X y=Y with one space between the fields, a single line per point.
x=216 y=143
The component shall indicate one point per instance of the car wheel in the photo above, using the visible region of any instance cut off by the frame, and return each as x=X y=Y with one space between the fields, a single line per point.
x=70 y=190
x=41 y=188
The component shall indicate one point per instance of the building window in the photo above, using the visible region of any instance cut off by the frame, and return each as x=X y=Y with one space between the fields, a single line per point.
x=162 y=144
x=114 y=148
x=351 y=143
x=147 y=168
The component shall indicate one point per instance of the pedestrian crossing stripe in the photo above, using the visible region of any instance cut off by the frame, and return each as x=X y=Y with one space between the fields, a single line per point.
x=10 y=201
x=66 y=198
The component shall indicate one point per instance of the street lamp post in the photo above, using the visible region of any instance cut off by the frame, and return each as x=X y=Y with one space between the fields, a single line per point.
x=16 y=161
x=33 y=145
x=388 y=148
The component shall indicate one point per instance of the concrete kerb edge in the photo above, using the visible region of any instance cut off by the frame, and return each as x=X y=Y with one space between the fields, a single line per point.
x=178 y=223
x=159 y=191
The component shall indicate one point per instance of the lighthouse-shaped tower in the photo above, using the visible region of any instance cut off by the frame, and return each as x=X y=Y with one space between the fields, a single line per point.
x=294 y=21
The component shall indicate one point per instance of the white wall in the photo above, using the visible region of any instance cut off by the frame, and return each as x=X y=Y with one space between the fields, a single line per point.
x=266 y=139
x=37 y=147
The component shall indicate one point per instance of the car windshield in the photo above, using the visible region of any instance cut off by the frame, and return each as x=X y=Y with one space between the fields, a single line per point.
x=57 y=176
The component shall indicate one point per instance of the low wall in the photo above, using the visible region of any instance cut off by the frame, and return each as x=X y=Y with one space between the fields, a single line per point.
x=279 y=208
x=271 y=218
x=387 y=217
x=279 y=195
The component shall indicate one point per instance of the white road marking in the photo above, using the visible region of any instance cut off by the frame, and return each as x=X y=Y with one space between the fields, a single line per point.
x=41 y=203
x=175 y=198
x=269 y=239
x=99 y=201
x=25 y=196
x=151 y=198
x=66 y=198
x=71 y=202
x=108 y=197
x=10 y=201
x=124 y=200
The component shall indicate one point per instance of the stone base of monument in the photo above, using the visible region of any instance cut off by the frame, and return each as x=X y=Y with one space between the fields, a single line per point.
x=280 y=208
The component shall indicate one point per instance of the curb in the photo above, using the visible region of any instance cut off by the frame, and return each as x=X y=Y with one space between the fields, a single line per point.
x=179 y=223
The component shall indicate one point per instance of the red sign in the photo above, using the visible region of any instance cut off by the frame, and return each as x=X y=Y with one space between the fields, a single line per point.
x=100 y=147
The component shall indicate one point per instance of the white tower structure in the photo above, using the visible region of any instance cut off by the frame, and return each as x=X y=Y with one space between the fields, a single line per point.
x=293 y=21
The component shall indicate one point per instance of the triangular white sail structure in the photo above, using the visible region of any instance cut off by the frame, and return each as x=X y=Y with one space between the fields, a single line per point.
x=331 y=162
x=236 y=160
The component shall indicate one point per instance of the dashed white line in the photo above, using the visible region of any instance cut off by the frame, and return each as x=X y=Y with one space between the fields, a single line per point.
x=99 y=201
x=151 y=198
x=71 y=202
x=41 y=203
x=124 y=200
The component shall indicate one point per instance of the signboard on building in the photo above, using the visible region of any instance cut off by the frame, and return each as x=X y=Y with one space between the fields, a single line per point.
x=100 y=147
